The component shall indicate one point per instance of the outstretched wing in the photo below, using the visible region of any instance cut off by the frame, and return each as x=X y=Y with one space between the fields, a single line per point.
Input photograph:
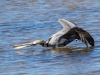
x=78 y=33
x=85 y=37
x=66 y=27
x=66 y=24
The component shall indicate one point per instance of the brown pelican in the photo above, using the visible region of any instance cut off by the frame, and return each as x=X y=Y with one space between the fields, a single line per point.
x=60 y=39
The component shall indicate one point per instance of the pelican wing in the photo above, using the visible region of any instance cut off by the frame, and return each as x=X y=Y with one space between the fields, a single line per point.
x=78 y=33
x=66 y=24
x=66 y=27
x=85 y=37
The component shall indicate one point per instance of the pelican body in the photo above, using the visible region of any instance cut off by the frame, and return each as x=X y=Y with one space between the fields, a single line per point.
x=60 y=39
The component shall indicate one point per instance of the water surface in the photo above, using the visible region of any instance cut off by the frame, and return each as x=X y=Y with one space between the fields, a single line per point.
x=29 y=20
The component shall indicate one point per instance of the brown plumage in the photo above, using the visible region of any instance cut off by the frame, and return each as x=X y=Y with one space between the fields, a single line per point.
x=78 y=33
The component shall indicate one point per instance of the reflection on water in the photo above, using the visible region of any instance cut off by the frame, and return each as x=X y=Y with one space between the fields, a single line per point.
x=29 y=20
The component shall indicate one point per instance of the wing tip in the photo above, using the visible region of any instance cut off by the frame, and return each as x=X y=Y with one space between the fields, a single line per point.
x=85 y=37
x=65 y=23
x=92 y=42
x=59 y=20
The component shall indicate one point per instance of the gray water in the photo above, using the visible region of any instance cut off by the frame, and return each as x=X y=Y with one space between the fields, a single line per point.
x=23 y=21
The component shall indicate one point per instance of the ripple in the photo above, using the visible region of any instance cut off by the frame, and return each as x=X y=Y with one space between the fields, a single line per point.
x=26 y=21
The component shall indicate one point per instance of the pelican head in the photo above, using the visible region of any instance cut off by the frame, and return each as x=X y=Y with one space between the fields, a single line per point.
x=39 y=42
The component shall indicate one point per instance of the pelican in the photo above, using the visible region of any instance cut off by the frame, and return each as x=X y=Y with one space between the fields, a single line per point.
x=69 y=33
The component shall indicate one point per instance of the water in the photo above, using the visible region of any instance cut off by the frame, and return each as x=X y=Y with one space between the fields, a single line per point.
x=24 y=21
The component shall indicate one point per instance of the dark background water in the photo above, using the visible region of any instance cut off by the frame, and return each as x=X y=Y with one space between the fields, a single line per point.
x=24 y=21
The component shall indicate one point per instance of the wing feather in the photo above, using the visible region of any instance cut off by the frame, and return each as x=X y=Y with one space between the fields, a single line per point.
x=85 y=37
x=80 y=34
x=66 y=24
x=66 y=27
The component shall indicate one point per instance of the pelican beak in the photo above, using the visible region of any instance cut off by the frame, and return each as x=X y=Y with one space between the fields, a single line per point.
x=19 y=46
